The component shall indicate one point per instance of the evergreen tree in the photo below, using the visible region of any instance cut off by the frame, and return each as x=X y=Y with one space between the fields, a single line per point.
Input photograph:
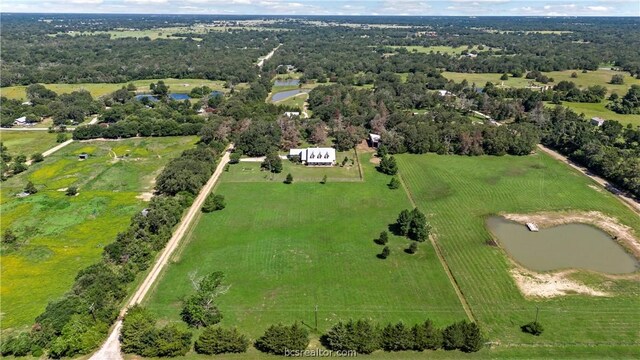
x=394 y=183
x=385 y=253
x=413 y=248
x=427 y=336
x=216 y=340
x=388 y=165
x=404 y=222
x=30 y=188
x=472 y=338
x=453 y=336
x=383 y=239
x=397 y=337
x=533 y=328
x=279 y=338
x=362 y=336
x=288 y=179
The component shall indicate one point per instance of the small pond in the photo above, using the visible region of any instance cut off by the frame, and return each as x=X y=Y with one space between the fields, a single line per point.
x=178 y=96
x=578 y=246
x=285 y=94
x=287 y=82
x=146 y=96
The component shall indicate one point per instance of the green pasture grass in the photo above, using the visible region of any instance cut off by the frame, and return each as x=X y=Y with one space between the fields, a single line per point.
x=251 y=172
x=600 y=110
x=287 y=248
x=480 y=79
x=443 y=49
x=62 y=234
x=101 y=89
x=169 y=32
x=27 y=142
x=459 y=192
x=288 y=76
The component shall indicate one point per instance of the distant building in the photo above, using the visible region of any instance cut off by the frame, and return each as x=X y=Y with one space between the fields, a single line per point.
x=83 y=156
x=28 y=103
x=597 y=121
x=445 y=93
x=21 y=121
x=291 y=113
x=315 y=156
x=374 y=140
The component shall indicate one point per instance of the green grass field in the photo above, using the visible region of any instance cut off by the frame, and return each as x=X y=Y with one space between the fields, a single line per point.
x=599 y=109
x=287 y=248
x=62 y=234
x=27 y=142
x=168 y=32
x=100 y=89
x=459 y=192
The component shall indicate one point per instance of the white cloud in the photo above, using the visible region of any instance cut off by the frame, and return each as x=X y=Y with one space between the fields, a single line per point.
x=146 y=2
x=597 y=8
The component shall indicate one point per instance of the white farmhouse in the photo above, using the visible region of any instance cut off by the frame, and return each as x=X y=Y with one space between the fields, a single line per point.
x=21 y=121
x=315 y=156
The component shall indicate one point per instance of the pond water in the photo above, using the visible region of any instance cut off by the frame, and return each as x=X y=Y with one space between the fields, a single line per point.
x=285 y=94
x=578 y=246
x=147 y=96
x=288 y=82
x=178 y=96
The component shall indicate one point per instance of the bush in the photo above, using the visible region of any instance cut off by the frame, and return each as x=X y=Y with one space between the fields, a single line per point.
x=17 y=346
x=533 y=328
x=30 y=188
x=383 y=239
x=413 y=248
x=37 y=157
x=235 y=156
x=388 y=165
x=397 y=337
x=61 y=137
x=413 y=224
x=72 y=191
x=215 y=340
x=462 y=336
x=504 y=76
x=140 y=336
x=617 y=79
x=385 y=253
x=288 y=179
x=9 y=237
x=279 y=338
x=361 y=336
x=324 y=180
x=199 y=309
x=213 y=203
x=394 y=183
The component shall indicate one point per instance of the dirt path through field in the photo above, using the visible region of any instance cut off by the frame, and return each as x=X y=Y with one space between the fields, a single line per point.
x=443 y=261
x=52 y=150
x=627 y=200
x=110 y=350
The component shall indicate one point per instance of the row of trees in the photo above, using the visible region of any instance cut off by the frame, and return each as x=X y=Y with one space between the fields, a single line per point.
x=78 y=322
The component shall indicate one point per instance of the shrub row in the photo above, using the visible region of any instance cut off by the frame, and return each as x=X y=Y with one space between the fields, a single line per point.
x=78 y=322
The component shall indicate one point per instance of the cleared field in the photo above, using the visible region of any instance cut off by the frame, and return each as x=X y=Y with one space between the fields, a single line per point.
x=441 y=49
x=100 y=89
x=599 y=109
x=27 y=142
x=598 y=77
x=168 y=32
x=296 y=101
x=287 y=248
x=61 y=235
x=459 y=192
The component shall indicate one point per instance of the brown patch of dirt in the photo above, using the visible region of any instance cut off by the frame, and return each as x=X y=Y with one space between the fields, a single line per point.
x=533 y=284
x=364 y=147
x=145 y=196
x=621 y=233
x=375 y=160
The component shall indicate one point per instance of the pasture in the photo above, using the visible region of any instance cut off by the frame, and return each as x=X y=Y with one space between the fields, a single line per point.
x=101 y=89
x=599 y=109
x=27 y=142
x=169 y=33
x=458 y=193
x=287 y=248
x=58 y=234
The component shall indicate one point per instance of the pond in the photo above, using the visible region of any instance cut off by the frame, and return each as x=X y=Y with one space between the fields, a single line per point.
x=566 y=246
x=178 y=96
x=285 y=94
x=287 y=82
x=146 y=96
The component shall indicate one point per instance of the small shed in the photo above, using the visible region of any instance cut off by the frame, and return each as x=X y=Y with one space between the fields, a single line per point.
x=597 y=121
x=291 y=114
x=374 y=140
x=20 y=121
x=83 y=156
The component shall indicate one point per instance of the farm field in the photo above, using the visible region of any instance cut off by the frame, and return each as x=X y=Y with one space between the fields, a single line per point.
x=27 y=142
x=167 y=32
x=598 y=109
x=101 y=89
x=458 y=193
x=60 y=235
x=287 y=248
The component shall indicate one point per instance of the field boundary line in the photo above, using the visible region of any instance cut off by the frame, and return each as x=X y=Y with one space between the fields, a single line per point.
x=355 y=150
x=443 y=261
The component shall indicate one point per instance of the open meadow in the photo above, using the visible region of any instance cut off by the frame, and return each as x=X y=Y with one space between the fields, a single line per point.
x=449 y=50
x=168 y=33
x=599 y=110
x=101 y=89
x=287 y=248
x=57 y=234
x=458 y=194
x=27 y=142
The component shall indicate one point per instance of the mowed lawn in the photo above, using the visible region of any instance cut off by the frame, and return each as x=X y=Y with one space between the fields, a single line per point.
x=27 y=142
x=101 y=89
x=287 y=248
x=591 y=110
x=459 y=192
x=60 y=235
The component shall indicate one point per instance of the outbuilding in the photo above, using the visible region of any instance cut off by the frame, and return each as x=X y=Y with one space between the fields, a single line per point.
x=374 y=140
x=597 y=121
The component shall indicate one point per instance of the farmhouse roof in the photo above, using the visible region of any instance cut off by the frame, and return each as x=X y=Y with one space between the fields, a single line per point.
x=315 y=155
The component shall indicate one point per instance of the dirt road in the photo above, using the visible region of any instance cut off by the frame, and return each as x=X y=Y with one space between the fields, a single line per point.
x=53 y=149
x=627 y=200
x=110 y=350
x=267 y=57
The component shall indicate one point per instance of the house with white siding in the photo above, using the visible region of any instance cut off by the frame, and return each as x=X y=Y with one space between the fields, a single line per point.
x=315 y=156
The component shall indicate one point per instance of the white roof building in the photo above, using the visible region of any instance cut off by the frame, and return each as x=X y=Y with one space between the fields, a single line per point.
x=315 y=156
x=374 y=140
x=21 y=120
x=445 y=93
x=291 y=113
x=597 y=121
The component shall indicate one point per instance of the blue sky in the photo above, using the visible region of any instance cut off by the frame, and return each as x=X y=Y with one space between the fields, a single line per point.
x=334 y=7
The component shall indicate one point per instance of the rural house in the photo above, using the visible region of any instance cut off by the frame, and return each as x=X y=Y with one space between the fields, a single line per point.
x=597 y=121
x=291 y=114
x=374 y=140
x=21 y=121
x=315 y=156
